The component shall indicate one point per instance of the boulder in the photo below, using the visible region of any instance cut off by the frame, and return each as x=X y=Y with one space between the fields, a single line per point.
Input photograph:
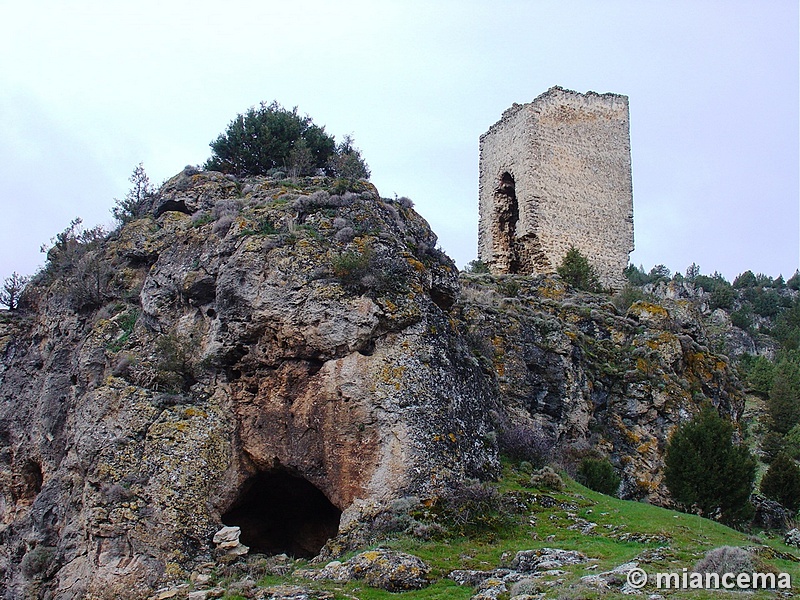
x=544 y=559
x=385 y=569
x=792 y=538
x=769 y=514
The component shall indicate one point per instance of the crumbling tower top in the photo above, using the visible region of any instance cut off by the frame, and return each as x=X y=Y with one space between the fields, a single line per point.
x=555 y=173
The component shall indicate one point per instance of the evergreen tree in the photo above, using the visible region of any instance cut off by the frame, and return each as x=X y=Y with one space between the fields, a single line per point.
x=636 y=275
x=347 y=162
x=659 y=272
x=131 y=207
x=271 y=137
x=781 y=482
x=784 y=395
x=794 y=281
x=705 y=471
x=12 y=289
x=577 y=272
x=692 y=272
x=745 y=280
x=598 y=474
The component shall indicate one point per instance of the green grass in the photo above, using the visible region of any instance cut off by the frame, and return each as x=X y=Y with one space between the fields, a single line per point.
x=623 y=532
x=126 y=323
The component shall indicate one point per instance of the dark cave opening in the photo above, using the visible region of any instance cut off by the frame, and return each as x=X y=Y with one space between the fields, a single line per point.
x=32 y=479
x=280 y=512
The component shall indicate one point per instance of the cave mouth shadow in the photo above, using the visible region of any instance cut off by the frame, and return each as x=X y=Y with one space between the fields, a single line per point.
x=280 y=512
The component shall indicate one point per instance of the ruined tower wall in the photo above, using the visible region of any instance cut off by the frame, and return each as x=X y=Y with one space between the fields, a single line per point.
x=567 y=158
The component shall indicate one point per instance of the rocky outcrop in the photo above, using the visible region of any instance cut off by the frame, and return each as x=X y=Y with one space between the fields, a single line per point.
x=304 y=347
x=283 y=357
x=591 y=379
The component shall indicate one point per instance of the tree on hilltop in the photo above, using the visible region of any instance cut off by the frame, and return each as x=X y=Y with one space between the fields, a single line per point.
x=12 y=289
x=131 y=206
x=270 y=137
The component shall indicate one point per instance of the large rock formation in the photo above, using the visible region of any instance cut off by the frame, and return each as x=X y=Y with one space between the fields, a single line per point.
x=592 y=379
x=269 y=355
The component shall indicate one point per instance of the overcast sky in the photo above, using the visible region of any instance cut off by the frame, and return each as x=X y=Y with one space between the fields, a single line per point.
x=88 y=89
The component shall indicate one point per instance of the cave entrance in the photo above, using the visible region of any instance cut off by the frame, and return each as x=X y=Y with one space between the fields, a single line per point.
x=507 y=211
x=280 y=512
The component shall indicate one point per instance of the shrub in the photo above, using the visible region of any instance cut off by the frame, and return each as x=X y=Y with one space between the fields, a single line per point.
x=508 y=288
x=598 y=474
x=37 y=560
x=222 y=225
x=523 y=442
x=344 y=235
x=726 y=559
x=625 y=298
x=347 y=161
x=706 y=471
x=742 y=319
x=366 y=270
x=527 y=587
x=201 y=217
x=173 y=370
x=75 y=260
x=225 y=208
x=577 y=272
x=71 y=245
x=476 y=267
x=472 y=508
x=781 y=482
x=547 y=478
x=399 y=517
x=263 y=226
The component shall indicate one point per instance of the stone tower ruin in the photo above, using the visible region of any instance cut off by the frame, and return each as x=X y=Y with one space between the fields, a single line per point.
x=555 y=173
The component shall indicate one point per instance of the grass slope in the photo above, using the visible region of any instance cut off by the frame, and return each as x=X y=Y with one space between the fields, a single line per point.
x=661 y=540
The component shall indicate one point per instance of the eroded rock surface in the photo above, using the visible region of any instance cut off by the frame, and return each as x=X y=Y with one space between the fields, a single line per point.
x=308 y=341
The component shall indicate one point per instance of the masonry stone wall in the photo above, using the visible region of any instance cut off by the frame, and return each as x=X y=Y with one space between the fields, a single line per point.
x=555 y=173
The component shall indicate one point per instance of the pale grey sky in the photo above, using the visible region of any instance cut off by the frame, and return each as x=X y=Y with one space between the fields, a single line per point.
x=88 y=89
